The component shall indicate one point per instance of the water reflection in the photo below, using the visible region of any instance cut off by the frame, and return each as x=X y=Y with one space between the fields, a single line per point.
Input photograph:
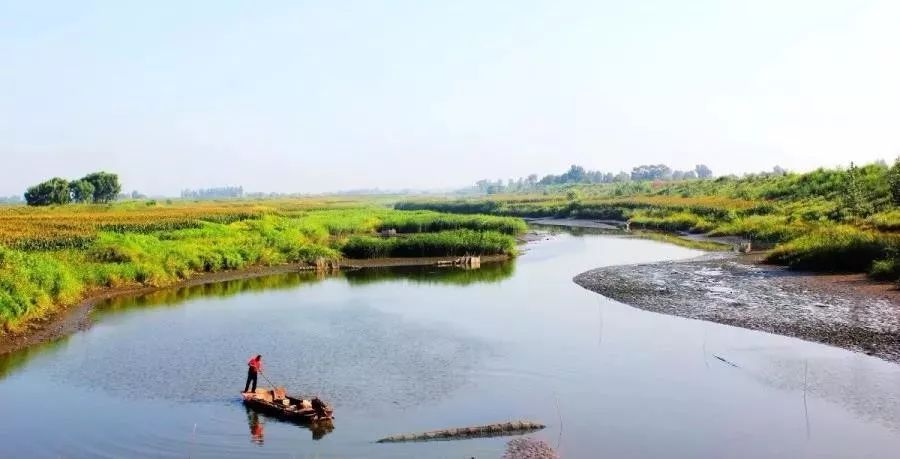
x=256 y=422
x=489 y=272
x=576 y=230
x=174 y=297
x=257 y=429
x=12 y=361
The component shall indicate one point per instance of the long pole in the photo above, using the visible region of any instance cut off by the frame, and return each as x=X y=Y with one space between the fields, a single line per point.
x=267 y=380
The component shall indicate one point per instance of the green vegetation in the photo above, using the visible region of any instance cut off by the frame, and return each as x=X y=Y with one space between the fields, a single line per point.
x=99 y=187
x=54 y=256
x=683 y=242
x=53 y=191
x=577 y=174
x=825 y=220
x=455 y=242
x=836 y=248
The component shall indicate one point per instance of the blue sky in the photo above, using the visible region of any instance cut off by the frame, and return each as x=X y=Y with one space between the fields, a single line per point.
x=318 y=96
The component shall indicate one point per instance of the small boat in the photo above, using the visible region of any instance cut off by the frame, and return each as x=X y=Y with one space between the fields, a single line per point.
x=275 y=402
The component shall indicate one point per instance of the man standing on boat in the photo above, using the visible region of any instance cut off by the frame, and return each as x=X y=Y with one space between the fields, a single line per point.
x=254 y=366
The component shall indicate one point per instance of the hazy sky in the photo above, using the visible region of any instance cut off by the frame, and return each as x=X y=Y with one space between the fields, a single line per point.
x=317 y=96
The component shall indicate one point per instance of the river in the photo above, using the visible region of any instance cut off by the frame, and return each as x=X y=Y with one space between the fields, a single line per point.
x=405 y=350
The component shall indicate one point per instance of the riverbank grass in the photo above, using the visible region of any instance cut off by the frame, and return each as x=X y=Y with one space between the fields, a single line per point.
x=50 y=258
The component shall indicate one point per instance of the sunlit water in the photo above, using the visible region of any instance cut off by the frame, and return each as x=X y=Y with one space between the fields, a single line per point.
x=418 y=349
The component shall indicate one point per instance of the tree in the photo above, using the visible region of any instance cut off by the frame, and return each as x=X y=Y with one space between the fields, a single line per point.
x=549 y=179
x=703 y=171
x=82 y=191
x=651 y=172
x=53 y=191
x=106 y=186
x=855 y=201
x=531 y=180
x=894 y=182
x=575 y=174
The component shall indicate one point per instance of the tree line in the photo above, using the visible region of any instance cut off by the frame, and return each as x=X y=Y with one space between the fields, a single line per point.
x=214 y=193
x=97 y=187
x=578 y=174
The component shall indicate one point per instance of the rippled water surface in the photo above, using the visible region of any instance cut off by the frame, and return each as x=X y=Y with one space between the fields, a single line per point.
x=402 y=350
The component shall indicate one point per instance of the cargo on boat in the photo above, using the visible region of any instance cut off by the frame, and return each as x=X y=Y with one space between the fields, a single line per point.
x=276 y=402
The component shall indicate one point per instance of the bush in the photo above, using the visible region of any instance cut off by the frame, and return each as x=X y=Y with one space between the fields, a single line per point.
x=839 y=248
x=887 y=269
x=680 y=221
x=886 y=221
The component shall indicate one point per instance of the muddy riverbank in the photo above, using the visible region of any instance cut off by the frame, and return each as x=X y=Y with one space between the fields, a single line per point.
x=78 y=317
x=847 y=311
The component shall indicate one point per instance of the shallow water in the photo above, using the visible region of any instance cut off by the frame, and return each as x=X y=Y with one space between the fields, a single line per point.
x=403 y=350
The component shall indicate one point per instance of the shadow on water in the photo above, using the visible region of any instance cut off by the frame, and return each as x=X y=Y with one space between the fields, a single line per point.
x=257 y=422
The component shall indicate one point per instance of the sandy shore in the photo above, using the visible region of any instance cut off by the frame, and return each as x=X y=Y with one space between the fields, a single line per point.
x=78 y=317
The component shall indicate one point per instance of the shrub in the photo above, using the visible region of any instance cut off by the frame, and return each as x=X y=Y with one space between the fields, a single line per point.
x=887 y=269
x=839 y=248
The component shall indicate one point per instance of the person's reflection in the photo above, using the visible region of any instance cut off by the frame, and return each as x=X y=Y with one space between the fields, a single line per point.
x=256 y=428
x=254 y=421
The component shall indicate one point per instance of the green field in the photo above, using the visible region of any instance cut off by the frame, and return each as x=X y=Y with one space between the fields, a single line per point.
x=51 y=257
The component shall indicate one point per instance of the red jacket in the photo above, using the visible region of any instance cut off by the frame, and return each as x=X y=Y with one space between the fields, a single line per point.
x=256 y=365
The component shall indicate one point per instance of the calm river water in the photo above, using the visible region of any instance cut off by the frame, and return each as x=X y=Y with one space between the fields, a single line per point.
x=403 y=350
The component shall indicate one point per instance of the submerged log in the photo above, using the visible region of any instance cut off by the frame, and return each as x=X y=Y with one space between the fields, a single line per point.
x=489 y=430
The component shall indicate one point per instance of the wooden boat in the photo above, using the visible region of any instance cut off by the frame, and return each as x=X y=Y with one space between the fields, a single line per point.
x=275 y=402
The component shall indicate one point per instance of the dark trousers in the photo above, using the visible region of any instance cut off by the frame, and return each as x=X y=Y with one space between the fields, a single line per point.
x=251 y=376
